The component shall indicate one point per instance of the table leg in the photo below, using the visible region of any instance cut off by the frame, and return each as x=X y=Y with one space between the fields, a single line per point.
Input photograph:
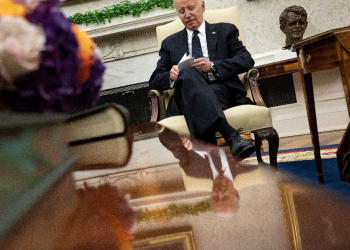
x=344 y=67
x=311 y=114
x=343 y=148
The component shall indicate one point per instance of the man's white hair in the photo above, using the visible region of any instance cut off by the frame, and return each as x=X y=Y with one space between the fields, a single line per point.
x=235 y=207
x=199 y=1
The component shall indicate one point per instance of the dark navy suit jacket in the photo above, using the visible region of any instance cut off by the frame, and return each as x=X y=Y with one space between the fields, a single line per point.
x=227 y=53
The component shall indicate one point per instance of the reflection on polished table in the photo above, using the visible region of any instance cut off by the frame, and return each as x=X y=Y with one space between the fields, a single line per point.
x=176 y=198
x=321 y=52
x=171 y=189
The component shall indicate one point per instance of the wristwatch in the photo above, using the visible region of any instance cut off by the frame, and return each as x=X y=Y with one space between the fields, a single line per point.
x=213 y=70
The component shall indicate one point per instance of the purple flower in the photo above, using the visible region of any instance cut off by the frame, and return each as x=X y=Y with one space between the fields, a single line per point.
x=90 y=89
x=55 y=86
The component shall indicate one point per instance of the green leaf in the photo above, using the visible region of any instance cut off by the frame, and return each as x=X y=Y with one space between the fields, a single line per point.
x=119 y=10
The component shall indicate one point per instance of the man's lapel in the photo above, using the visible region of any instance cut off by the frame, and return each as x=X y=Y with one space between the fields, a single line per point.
x=182 y=45
x=212 y=39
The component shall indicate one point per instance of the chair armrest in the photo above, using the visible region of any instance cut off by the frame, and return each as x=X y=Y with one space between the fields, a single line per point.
x=251 y=76
x=154 y=95
x=166 y=94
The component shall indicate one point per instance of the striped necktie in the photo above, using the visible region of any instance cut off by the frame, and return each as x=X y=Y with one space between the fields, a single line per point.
x=196 y=46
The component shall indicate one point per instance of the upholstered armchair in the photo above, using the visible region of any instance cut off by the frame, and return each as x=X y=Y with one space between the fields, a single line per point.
x=248 y=118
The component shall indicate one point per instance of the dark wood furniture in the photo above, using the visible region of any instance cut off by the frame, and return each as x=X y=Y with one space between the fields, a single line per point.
x=343 y=148
x=278 y=68
x=321 y=52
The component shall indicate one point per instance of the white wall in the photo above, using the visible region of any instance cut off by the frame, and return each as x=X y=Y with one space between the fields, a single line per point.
x=260 y=18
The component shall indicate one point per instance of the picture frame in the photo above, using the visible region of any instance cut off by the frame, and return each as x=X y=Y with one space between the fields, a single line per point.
x=178 y=239
x=315 y=218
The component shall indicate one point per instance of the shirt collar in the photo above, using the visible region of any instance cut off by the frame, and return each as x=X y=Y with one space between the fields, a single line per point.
x=201 y=30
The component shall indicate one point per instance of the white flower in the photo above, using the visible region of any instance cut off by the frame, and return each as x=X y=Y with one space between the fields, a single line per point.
x=20 y=46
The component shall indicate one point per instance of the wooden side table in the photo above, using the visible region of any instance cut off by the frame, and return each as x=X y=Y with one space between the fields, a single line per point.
x=321 y=52
x=278 y=68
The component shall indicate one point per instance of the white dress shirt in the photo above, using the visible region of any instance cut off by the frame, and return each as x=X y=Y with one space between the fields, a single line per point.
x=224 y=163
x=203 y=39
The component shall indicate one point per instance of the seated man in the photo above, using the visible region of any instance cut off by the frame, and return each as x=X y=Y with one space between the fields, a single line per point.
x=211 y=84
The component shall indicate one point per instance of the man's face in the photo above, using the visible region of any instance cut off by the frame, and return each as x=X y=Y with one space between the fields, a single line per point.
x=223 y=195
x=296 y=26
x=190 y=13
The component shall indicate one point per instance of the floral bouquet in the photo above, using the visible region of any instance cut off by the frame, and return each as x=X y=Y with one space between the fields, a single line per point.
x=46 y=63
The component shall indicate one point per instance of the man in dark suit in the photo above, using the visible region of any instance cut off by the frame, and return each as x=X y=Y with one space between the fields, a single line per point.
x=205 y=161
x=211 y=84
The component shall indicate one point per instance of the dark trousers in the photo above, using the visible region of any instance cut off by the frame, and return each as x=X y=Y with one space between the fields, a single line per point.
x=202 y=102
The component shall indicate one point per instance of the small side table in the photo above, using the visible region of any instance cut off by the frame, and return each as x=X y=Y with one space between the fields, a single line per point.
x=321 y=52
x=278 y=68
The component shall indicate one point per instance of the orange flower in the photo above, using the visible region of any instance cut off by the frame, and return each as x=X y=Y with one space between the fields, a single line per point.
x=8 y=8
x=85 y=51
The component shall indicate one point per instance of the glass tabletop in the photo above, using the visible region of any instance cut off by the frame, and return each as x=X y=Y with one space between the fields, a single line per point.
x=187 y=194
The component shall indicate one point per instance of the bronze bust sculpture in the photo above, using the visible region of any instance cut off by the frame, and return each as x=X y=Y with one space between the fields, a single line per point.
x=293 y=23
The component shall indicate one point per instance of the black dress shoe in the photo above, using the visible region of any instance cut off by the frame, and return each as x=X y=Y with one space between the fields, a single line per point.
x=240 y=148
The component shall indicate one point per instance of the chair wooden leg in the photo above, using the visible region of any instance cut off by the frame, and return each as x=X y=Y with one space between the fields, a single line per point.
x=271 y=135
x=258 y=144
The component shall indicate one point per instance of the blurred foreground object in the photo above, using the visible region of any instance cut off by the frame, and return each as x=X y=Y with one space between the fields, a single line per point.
x=37 y=192
x=46 y=63
x=40 y=207
x=102 y=220
x=101 y=137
